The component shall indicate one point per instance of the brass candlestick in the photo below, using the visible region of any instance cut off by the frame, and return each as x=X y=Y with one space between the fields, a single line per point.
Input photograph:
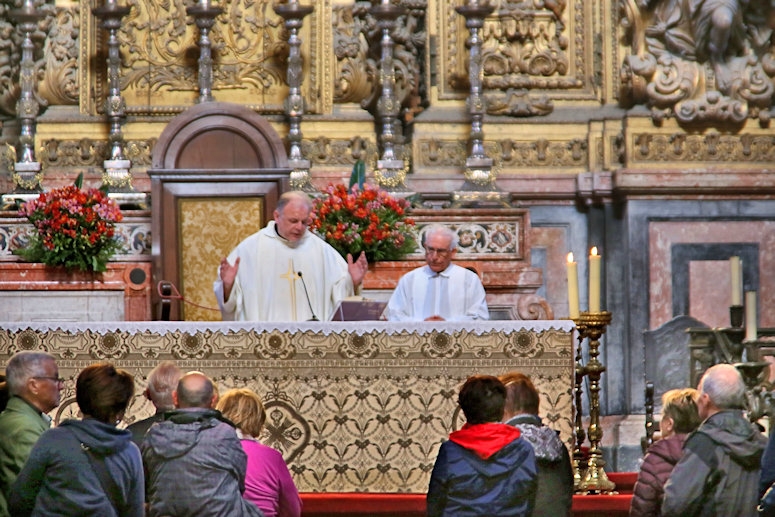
x=592 y=325
x=579 y=465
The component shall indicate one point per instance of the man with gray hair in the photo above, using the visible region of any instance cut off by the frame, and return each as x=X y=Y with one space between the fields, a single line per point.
x=719 y=471
x=440 y=290
x=34 y=387
x=162 y=381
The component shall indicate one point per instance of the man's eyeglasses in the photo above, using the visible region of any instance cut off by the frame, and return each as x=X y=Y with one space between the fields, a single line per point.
x=437 y=251
x=58 y=380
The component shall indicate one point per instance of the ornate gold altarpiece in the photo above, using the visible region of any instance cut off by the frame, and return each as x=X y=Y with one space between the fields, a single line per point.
x=352 y=406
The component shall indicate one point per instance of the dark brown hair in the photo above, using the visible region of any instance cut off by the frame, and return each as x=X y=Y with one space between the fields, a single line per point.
x=104 y=392
x=481 y=398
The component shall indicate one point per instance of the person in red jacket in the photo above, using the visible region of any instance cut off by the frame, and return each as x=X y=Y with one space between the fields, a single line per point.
x=679 y=418
x=484 y=469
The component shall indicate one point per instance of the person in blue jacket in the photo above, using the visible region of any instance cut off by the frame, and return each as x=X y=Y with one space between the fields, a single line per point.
x=485 y=468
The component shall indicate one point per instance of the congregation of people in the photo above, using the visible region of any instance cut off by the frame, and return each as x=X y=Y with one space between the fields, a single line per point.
x=201 y=454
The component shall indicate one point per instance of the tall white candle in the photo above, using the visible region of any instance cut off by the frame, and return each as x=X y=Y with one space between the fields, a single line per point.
x=594 y=280
x=573 y=287
x=735 y=272
x=751 y=331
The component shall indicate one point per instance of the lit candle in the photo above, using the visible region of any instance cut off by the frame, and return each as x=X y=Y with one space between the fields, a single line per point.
x=750 y=316
x=573 y=287
x=594 y=280
x=737 y=277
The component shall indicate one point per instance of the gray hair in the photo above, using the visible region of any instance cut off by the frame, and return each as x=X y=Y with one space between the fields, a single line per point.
x=724 y=386
x=444 y=231
x=162 y=381
x=23 y=366
x=287 y=197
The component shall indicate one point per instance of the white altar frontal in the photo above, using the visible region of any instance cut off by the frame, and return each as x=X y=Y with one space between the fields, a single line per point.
x=352 y=406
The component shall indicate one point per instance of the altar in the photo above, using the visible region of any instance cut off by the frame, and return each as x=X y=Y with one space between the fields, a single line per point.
x=353 y=407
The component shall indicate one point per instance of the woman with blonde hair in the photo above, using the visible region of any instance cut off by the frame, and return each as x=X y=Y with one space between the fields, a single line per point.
x=679 y=418
x=268 y=483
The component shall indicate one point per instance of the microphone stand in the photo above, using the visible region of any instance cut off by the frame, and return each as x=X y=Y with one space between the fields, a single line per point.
x=313 y=318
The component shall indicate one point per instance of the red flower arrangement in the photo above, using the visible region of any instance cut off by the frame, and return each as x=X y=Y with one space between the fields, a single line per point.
x=365 y=219
x=75 y=228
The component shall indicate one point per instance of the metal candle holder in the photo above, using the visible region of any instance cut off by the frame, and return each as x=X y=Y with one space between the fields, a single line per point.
x=479 y=188
x=578 y=428
x=592 y=325
x=204 y=14
x=293 y=13
x=27 y=174
x=391 y=171
x=116 y=178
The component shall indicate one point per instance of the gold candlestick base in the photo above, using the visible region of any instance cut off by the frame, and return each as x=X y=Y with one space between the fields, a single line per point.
x=593 y=325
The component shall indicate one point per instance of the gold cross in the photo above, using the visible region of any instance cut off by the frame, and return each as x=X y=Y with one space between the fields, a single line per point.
x=291 y=276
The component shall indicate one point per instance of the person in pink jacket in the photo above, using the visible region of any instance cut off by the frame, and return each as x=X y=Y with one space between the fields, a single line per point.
x=268 y=483
x=679 y=418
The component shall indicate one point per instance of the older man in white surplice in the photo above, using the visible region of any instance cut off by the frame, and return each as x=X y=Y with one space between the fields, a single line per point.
x=440 y=290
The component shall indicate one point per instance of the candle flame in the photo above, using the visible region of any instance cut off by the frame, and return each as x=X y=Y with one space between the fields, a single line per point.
x=593 y=251
x=570 y=257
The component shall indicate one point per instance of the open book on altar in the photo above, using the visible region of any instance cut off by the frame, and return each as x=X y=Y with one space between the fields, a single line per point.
x=359 y=309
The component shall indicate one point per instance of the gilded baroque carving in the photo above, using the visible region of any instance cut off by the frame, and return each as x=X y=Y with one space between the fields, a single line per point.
x=526 y=46
x=88 y=152
x=508 y=153
x=159 y=52
x=325 y=151
x=706 y=61
x=716 y=147
x=59 y=81
x=357 y=51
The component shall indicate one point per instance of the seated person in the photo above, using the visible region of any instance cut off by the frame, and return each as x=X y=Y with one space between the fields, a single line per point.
x=485 y=468
x=554 y=493
x=86 y=467
x=440 y=290
x=268 y=483
x=679 y=418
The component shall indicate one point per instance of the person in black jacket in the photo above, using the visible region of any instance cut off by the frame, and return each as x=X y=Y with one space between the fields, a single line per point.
x=485 y=468
x=554 y=493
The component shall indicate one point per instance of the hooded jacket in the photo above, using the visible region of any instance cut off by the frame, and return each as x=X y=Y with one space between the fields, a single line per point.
x=195 y=466
x=483 y=470
x=721 y=459
x=554 y=491
x=58 y=478
x=657 y=465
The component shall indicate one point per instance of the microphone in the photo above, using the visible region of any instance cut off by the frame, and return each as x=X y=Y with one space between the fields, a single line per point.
x=313 y=318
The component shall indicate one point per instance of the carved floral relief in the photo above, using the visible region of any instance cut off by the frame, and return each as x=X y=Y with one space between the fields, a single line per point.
x=700 y=61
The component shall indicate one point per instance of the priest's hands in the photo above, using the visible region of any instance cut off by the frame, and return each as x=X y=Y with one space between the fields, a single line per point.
x=358 y=268
x=228 y=273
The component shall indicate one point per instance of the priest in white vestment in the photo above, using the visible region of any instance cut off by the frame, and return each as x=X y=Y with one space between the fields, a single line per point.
x=440 y=290
x=284 y=272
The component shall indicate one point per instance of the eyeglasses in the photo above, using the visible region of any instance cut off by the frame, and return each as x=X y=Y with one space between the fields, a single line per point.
x=437 y=251
x=58 y=380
